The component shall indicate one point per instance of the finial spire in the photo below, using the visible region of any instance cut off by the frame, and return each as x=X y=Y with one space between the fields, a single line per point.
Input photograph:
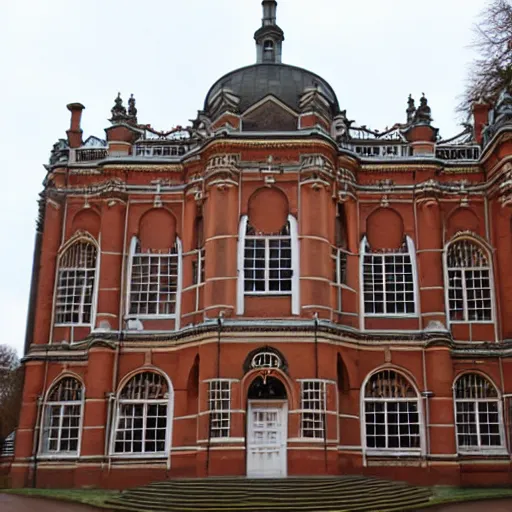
x=269 y=38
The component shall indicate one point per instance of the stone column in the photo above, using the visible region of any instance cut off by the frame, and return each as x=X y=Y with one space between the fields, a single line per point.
x=317 y=214
x=429 y=247
x=98 y=383
x=110 y=287
x=350 y=295
x=52 y=236
x=440 y=429
x=503 y=283
x=221 y=248
x=188 y=238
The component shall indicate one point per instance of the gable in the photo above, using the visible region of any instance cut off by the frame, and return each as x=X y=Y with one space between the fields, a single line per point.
x=269 y=115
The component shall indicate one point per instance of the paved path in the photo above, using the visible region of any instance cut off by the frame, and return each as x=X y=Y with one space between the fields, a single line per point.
x=13 y=503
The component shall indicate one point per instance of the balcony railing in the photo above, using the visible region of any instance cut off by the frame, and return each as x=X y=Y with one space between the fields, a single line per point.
x=90 y=155
x=458 y=152
x=153 y=151
x=379 y=150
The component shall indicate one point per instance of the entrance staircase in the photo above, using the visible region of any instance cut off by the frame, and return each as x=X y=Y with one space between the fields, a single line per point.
x=349 y=493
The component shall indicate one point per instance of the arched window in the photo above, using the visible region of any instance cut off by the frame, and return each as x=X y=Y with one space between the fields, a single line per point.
x=143 y=419
x=266 y=360
x=477 y=414
x=469 y=282
x=155 y=282
x=391 y=413
x=389 y=280
x=62 y=418
x=268 y=51
x=268 y=262
x=76 y=278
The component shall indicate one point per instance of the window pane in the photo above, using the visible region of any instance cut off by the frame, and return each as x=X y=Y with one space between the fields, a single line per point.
x=154 y=282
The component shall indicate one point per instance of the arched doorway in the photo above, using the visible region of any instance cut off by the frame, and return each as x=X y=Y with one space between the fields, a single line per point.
x=267 y=428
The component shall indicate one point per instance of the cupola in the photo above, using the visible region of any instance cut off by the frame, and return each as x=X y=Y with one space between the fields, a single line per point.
x=269 y=37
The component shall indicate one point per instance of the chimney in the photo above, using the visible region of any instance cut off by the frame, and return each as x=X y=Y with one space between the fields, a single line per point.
x=75 y=133
x=480 y=118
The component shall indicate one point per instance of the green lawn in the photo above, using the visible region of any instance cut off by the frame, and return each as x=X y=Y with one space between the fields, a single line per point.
x=447 y=494
x=94 y=497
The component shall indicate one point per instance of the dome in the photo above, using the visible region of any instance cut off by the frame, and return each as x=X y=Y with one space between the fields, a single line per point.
x=287 y=83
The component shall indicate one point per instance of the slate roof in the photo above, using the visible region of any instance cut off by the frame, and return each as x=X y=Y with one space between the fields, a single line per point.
x=252 y=83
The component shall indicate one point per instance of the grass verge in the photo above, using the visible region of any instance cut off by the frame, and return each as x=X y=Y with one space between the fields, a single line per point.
x=93 y=497
x=446 y=494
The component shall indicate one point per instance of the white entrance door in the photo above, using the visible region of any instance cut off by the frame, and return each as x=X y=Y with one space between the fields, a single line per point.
x=266 y=444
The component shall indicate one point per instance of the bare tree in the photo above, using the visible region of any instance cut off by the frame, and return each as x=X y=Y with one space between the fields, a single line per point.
x=11 y=388
x=491 y=71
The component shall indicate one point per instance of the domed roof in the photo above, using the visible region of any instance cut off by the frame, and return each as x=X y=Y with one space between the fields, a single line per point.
x=287 y=83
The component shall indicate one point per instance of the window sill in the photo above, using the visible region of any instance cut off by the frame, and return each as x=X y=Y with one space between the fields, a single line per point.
x=138 y=456
x=471 y=321
x=73 y=325
x=499 y=452
x=150 y=317
x=266 y=294
x=314 y=440
x=390 y=454
x=54 y=456
x=391 y=315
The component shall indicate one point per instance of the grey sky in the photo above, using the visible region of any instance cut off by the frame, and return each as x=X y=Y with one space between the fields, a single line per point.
x=168 y=53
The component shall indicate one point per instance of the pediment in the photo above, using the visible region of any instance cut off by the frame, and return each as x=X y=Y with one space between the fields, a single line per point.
x=269 y=114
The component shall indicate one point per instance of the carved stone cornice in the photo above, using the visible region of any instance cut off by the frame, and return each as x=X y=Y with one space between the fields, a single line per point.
x=143 y=167
x=222 y=171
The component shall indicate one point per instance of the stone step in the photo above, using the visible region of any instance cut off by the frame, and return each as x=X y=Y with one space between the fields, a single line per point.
x=269 y=494
x=399 y=504
x=305 y=488
x=350 y=493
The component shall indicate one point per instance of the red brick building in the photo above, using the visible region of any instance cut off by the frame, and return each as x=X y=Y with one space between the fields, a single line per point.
x=271 y=291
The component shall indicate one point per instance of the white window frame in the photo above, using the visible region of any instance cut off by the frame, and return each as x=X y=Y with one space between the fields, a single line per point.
x=295 y=268
x=463 y=270
x=340 y=257
x=479 y=449
x=411 y=252
x=316 y=415
x=43 y=451
x=198 y=271
x=215 y=413
x=168 y=401
x=176 y=316
x=78 y=239
x=393 y=451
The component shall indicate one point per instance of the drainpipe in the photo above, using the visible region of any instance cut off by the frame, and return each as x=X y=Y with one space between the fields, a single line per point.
x=220 y=323
x=37 y=435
